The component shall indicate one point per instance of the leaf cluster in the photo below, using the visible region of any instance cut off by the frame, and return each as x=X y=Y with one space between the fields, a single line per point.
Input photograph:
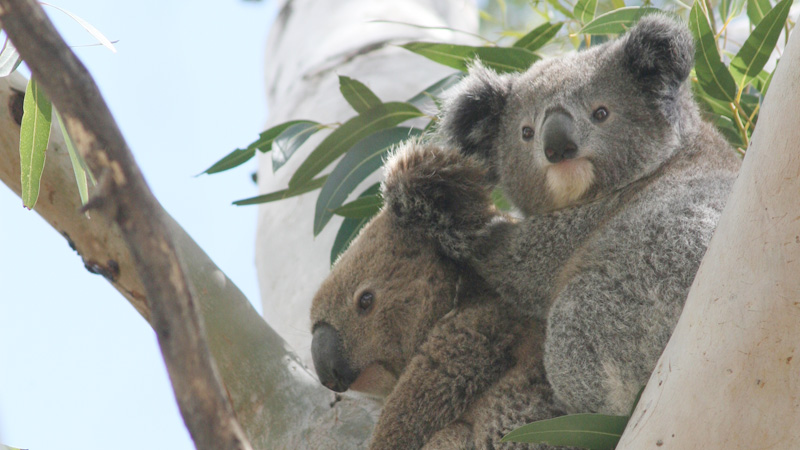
x=731 y=93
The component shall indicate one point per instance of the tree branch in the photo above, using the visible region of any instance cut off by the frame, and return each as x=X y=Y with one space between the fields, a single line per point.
x=125 y=199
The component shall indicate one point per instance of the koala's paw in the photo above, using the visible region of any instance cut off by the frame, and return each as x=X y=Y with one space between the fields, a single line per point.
x=442 y=193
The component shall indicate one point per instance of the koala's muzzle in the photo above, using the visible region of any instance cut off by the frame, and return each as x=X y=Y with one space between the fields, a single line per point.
x=332 y=367
x=558 y=135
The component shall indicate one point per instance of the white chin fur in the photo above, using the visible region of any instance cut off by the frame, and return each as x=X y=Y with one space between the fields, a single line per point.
x=569 y=180
x=374 y=380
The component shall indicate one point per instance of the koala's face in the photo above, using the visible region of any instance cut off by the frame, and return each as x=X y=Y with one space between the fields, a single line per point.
x=377 y=305
x=576 y=128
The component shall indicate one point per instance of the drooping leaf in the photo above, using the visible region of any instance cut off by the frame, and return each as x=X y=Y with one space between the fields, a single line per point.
x=263 y=143
x=757 y=9
x=350 y=227
x=590 y=431
x=560 y=8
x=9 y=59
x=359 y=96
x=360 y=207
x=78 y=164
x=33 y=139
x=363 y=159
x=758 y=47
x=540 y=36
x=290 y=140
x=86 y=26
x=713 y=76
x=436 y=89
x=617 y=21
x=501 y=59
x=285 y=193
x=584 y=10
x=384 y=116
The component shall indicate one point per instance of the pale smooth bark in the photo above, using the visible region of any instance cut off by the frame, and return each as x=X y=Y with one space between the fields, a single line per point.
x=311 y=43
x=730 y=376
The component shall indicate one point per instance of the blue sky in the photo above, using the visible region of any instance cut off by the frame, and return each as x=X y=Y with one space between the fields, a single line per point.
x=79 y=368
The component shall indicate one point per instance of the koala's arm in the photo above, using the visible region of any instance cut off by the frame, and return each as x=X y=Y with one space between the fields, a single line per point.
x=463 y=356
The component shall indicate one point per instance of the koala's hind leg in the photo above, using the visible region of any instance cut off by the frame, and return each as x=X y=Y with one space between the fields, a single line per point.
x=457 y=435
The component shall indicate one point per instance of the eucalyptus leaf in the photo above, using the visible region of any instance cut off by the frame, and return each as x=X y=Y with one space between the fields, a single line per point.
x=360 y=207
x=617 y=21
x=78 y=164
x=283 y=194
x=726 y=126
x=358 y=95
x=560 y=8
x=290 y=140
x=384 y=116
x=757 y=9
x=362 y=160
x=584 y=10
x=540 y=36
x=590 y=431
x=350 y=227
x=9 y=59
x=501 y=59
x=758 y=47
x=713 y=76
x=263 y=143
x=33 y=139
x=436 y=89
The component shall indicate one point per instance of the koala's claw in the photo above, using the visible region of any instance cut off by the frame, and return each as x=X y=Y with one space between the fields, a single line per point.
x=442 y=193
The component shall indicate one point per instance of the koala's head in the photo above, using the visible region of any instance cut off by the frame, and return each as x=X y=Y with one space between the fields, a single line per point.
x=579 y=127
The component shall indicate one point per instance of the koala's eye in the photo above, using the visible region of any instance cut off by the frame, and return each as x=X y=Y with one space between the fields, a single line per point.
x=600 y=114
x=527 y=133
x=365 y=301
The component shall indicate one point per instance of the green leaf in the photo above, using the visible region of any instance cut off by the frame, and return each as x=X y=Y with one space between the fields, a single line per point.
x=540 y=36
x=501 y=59
x=757 y=9
x=363 y=159
x=617 y=4
x=283 y=194
x=350 y=227
x=9 y=59
x=713 y=76
x=358 y=95
x=617 y=21
x=384 y=116
x=263 y=143
x=726 y=126
x=78 y=164
x=290 y=140
x=500 y=201
x=33 y=139
x=584 y=10
x=361 y=207
x=591 y=431
x=436 y=89
x=758 y=47
x=560 y=8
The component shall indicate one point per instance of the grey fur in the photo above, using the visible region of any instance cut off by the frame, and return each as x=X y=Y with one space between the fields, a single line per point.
x=609 y=267
x=461 y=367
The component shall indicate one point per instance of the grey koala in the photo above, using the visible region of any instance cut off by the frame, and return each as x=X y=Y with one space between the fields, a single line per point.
x=396 y=317
x=620 y=184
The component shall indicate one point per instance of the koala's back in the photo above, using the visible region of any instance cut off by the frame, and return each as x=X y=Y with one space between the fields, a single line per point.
x=623 y=290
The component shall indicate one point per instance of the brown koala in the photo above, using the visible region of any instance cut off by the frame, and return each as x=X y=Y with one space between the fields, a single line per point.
x=459 y=373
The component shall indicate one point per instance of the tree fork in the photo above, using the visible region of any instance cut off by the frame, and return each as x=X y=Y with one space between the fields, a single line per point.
x=126 y=200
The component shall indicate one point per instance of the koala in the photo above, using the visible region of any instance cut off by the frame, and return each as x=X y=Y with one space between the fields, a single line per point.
x=397 y=318
x=620 y=185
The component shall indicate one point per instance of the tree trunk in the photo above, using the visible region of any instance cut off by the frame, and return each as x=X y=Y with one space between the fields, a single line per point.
x=730 y=375
x=311 y=43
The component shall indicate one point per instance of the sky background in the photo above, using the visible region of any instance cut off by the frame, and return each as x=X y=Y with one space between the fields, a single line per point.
x=79 y=368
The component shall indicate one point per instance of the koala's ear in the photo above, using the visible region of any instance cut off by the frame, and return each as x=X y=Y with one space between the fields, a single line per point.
x=438 y=193
x=471 y=115
x=659 y=51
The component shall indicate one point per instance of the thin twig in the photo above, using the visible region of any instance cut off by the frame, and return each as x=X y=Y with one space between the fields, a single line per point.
x=127 y=200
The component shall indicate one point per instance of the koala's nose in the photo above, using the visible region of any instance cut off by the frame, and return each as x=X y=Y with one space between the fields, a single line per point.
x=332 y=368
x=559 y=137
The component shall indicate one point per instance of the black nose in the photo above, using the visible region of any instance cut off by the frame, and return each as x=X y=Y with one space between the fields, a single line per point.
x=332 y=367
x=559 y=137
